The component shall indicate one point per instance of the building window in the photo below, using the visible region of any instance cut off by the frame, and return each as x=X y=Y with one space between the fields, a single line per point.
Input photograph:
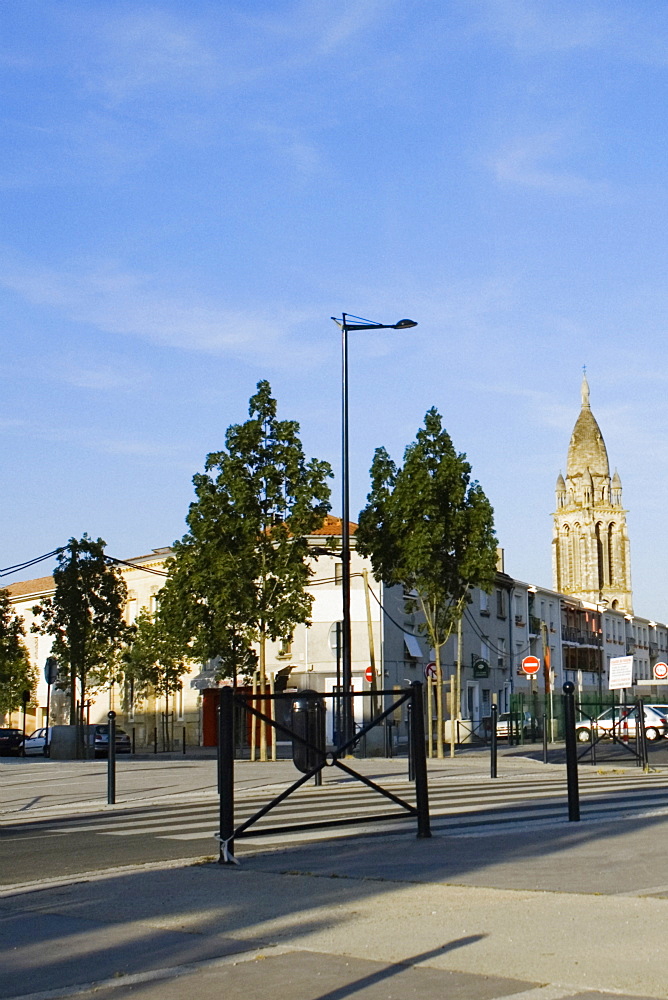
x=500 y=603
x=484 y=603
x=285 y=647
x=338 y=573
x=130 y=608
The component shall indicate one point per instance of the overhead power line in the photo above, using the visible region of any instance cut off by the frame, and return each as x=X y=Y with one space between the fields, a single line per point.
x=144 y=569
x=18 y=567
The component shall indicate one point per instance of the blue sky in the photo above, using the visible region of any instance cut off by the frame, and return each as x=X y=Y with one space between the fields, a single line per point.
x=188 y=192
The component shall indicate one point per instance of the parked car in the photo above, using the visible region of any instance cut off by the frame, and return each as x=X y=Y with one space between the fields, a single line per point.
x=10 y=742
x=503 y=726
x=34 y=744
x=620 y=721
x=101 y=741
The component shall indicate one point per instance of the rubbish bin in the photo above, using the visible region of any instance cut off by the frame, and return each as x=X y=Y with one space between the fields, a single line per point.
x=308 y=721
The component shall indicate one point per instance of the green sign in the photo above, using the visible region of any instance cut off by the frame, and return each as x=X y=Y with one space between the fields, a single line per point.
x=480 y=668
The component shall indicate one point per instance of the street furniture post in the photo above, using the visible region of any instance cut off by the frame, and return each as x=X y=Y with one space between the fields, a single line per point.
x=419 y=761
x=226 y=776
x=571 y=753
x=492 y=740
x=111 y=760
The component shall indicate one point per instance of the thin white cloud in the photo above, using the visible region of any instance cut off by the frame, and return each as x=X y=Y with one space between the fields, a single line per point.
x=88 y=438
x=536 y=26
x=527 y=162
x=98 y=377
x=148 y=50
x=131 y=304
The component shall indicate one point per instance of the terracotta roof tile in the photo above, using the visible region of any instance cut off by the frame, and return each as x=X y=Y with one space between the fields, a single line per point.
x=24 y=587
x=333 y=526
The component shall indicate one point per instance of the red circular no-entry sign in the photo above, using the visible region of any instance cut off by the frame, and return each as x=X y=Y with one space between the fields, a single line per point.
x=369 y=674
x=530 y=664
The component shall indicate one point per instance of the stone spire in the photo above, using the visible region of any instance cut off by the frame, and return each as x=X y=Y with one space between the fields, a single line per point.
x=587 y=448
x=591 y=553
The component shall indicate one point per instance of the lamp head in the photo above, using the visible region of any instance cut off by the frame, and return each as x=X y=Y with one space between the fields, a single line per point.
x=367 y=324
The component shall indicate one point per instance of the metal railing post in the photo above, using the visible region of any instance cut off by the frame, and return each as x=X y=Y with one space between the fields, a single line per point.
x=571 y=753
x=544 y=738
x=411 y=759
x=492 y=740
x=226 y=775
x=642 y=733
x=420 y=761
x=111 y=760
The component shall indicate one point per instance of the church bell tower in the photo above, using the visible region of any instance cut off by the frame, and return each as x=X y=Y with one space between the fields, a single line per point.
x=591 y=557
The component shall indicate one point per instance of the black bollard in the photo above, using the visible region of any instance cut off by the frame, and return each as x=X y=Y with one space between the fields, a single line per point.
x=183 y=742
x=111 y=760
x=643 y=759
x=571 y=753
x=226 y=776
x=544 y=739
x=419 y=761
x=492 y=739
x=411 y=761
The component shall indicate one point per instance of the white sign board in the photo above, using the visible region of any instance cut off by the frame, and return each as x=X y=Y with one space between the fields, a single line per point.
x=621 y=672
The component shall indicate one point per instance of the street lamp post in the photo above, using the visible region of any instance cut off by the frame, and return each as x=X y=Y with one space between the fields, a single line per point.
x=358 y=323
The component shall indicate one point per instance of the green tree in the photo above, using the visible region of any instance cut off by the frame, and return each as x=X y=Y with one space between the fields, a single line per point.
x=239 y=575
x=154 y=661
x=428 y=527
x=17 y=674
x=85 y=617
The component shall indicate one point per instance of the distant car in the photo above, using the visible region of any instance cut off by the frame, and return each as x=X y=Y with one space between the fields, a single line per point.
x=620 y=721
x=101 y=741
x=10 y=742
x=503 y=726
x=34 y=745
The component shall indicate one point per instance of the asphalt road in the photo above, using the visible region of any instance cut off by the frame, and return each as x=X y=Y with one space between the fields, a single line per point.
x=464 y=801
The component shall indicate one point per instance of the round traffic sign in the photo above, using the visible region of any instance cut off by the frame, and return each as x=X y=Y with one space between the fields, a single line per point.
x=530 y=664
x=430 y=670
x=369 y=674
x=50 y=669
x=661 y=671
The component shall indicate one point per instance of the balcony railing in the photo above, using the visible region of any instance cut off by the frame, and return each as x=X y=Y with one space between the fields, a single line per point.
x=570 y=634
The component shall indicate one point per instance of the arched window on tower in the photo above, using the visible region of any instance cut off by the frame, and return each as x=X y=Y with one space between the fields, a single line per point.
x=611 y=555
x=576 y=574
x=600 y=556
x=566 y=559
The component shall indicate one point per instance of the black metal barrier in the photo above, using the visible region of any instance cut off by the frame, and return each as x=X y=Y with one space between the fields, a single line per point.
x=624 y=728
x=314 y=756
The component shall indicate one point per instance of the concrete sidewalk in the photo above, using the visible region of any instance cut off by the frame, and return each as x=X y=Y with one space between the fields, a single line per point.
x=559 y=910
x=474 y=918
